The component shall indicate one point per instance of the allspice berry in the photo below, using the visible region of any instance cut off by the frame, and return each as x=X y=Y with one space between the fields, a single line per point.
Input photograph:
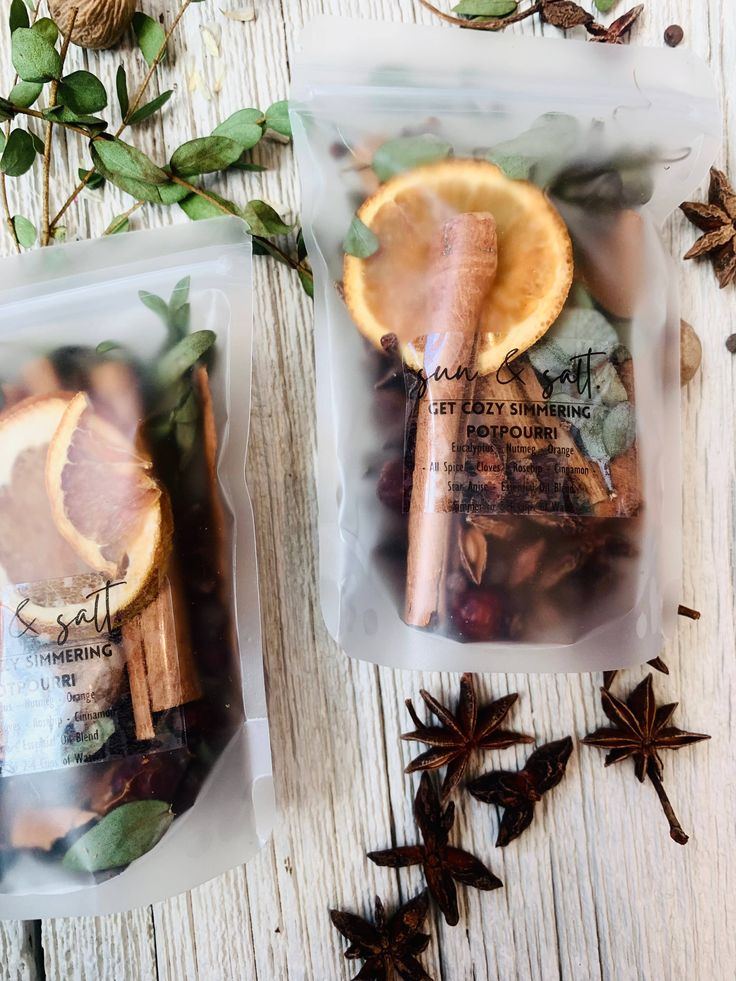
x=99 y=23
x=673 y=35
x=691 y=352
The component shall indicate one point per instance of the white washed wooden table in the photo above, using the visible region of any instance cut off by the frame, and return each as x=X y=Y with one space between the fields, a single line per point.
x=595 y=889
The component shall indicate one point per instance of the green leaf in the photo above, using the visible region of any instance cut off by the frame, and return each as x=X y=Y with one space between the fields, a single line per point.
x=307 y=280
x=2 y=141
x=485 y=8
x=34 y=58
x=25 y=93
x=143 y=112
x=38 y=144
x=199 y=209
x=19 y=153
x=63 y=114
x=95 y=181
x=407 y=152
x=129 y=169
x=619 y=429
x=277 y=118
x=18 y=15
x=82 y=92
x=25 y=230
x=155 y=303
x=47 y=29
x=262 y=219
x=184 y=355
x=150 y=36
x=243 y=127
x=180 y=294
x=604 y=5
x=120 y=837
x=105 y=347
x=360 y=241
x=121 y=87
x=205 y=155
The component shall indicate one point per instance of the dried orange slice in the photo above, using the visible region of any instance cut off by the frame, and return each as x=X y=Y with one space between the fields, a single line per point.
x=387 y=292
x=106 y=503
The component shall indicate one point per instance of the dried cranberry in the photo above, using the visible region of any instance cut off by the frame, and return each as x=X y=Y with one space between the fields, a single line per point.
x=392 y=487
x=479 y=614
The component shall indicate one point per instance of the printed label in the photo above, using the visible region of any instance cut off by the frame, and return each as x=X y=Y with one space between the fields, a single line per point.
x=65 y=696
x=543 y=432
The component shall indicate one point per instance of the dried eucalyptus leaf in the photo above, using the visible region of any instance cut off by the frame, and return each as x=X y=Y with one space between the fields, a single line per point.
x=63 y=114
x=244 y=127
x=307 y=280
x=96 y=734
x=277 y=118
x=180 y=358
x=24 y=94
x=150 y=36
x=485 y=8
x=514 y=165
x=406 y=152
x=18 y=16
x=609 y=389
x=119 y=224
x=205 y=155
x=591 y=435
x=35 y=59
x=19 y=153
x=121 y=87
x=155 y=303
x=46 y=28
x=198 y=208
x=82 y=92
x=262 y=219
x=105 y=347
x=360 y=241
x=143 y=112
x=619 y=429
x=25 y=231
x=120 y=837
x=604 y=5
x=38 y=144
x=95 y=182
x=575 y=332
x=129 y=169
x=180 y=294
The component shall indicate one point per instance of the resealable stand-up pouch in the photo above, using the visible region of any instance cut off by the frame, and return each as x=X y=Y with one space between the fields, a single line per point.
x=134 y=749
x=497 y=340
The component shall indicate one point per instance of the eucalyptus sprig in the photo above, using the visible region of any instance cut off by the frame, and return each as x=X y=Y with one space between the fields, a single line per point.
x=76 y=101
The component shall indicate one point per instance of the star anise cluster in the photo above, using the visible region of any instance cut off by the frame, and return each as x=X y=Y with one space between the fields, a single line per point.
x=717 y=220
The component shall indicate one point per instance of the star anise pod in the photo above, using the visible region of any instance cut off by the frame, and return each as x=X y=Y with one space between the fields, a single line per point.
x=618 y=29
x=640 y=730
x=717 y=220
x=518 y=792
x=442 y=863
x=469 y=729
x=657 y=663
x=388 y=947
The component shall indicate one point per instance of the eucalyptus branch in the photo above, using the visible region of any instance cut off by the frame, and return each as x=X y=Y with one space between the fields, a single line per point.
x=3 y=179
x=138 y=97
x=482 y=24
x=53 y=93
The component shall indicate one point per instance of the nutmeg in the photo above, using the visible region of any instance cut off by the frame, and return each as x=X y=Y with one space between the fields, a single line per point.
x=99 y=23
x=691 y=352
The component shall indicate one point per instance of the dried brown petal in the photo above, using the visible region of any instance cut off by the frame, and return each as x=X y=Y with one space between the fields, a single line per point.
x=526 y=564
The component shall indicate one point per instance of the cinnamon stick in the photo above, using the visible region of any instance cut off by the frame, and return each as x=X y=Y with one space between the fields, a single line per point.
x=170 y=671
x=139 y=693
x=460 y=283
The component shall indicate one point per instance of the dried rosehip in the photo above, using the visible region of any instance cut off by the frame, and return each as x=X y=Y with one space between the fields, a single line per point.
x=392 y=487
x=479 y=614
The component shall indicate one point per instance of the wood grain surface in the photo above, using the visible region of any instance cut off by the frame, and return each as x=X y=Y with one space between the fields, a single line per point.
x=595 y=891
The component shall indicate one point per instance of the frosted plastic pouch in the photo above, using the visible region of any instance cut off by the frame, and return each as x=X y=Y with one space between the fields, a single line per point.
x=497 y=340
x=134 y=748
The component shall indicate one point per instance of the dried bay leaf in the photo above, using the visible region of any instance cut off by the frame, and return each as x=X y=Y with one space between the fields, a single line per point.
x=120 y=837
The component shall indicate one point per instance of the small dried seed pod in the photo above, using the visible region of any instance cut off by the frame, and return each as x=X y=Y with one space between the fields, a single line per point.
x=691 y=352
x=99 y=23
